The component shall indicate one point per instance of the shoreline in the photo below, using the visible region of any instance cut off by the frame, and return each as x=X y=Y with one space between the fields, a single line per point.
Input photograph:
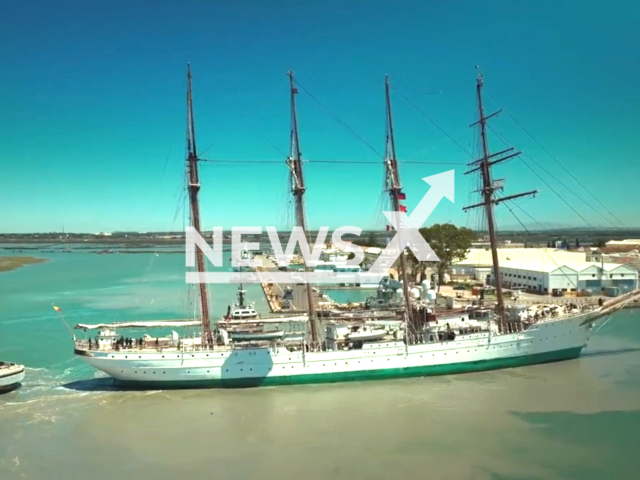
x=8 y=264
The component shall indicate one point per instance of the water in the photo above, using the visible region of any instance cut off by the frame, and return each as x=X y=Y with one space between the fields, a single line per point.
x=575 y=419
x=350 y=295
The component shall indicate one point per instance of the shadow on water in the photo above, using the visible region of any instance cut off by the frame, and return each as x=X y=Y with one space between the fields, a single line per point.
x=604 y=353
x=608 y=441
x=96 y=385
x=11 y=389
x=499 y=476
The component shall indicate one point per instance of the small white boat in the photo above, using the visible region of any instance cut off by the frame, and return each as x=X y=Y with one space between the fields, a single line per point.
x=11 y=376
x=367 y=334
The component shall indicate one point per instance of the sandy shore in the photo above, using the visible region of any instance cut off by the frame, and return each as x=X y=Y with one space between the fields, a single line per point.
x=13 y=263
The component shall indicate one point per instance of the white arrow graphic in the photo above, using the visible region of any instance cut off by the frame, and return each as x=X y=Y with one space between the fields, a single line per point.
x=442 y=185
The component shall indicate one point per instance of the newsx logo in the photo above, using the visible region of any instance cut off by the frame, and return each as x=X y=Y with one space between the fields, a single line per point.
x=407 y=236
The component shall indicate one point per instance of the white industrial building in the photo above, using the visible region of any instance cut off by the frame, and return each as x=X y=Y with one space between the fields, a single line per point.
x=577 y=277
x=478 y=262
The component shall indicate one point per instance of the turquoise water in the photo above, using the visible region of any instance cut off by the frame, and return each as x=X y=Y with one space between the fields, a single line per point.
x=350 y=295
x=578 y=419
x=93 y=288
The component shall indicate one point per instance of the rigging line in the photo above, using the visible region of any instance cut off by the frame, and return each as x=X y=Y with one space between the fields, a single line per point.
x=504 y=140
x=557 y=161
x=206 y=149
x=353 y=162
x=167 y=160
x=432 y=122
x=571 y=191
x=407 y=162
x=278 y=149
x=557 y=194
x=528 y=215
x=340 y=122
x=544 y=249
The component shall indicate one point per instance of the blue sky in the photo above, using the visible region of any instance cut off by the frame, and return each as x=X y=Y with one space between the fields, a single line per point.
x=92 y=114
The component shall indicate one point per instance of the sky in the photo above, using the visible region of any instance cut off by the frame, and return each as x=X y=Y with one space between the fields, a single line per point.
x=92 y=109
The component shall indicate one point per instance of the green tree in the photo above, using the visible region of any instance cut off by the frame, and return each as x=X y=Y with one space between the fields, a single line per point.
x=416 y=267
x=450 y=243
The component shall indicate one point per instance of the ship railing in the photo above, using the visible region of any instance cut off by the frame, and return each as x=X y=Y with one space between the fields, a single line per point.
x=85 y=344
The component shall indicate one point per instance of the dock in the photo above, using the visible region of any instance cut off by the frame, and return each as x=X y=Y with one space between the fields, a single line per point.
x=289 y=297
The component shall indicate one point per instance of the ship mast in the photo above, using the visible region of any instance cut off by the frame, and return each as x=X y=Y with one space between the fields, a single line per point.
x=489 y=187
x=193 y=187
x=240 y=297
x=394 y=187
x=298 y=188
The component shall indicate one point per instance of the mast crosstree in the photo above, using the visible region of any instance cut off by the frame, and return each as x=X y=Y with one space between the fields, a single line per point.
x=489 y=187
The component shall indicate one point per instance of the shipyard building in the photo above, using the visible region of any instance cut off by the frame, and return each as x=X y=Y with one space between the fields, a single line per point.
x=609 y=278
x=548 y=271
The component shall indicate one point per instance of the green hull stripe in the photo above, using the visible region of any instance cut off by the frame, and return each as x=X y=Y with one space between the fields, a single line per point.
x=422 y=371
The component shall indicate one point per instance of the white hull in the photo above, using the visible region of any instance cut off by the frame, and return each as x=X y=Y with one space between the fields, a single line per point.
x=548 y=341
x=11 y=377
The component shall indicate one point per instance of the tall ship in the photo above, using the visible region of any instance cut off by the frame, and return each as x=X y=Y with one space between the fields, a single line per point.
x=417 y=342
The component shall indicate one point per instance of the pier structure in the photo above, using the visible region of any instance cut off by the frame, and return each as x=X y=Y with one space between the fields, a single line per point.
x=291 y=297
